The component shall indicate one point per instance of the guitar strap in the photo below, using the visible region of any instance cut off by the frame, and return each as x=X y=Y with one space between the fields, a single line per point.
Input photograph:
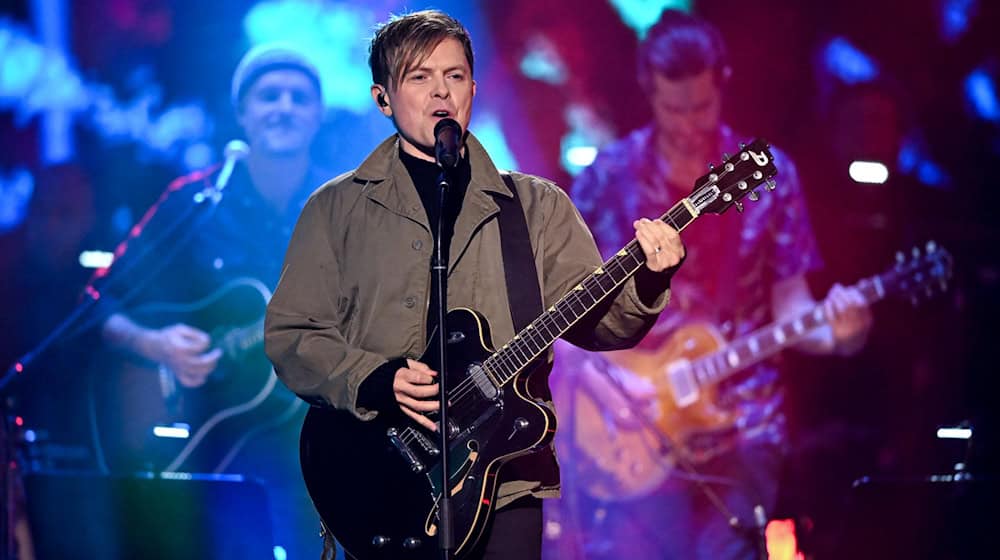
x=518 y=260
x=525 y=300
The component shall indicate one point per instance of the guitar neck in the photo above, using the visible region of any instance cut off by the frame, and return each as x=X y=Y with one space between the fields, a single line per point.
x=534 y=339
x=766 y=341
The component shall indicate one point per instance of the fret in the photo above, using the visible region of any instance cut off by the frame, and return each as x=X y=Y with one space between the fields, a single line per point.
x=733 y=358
x=779 y=334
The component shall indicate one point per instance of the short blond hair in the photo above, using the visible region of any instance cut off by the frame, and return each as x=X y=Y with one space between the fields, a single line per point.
x=404 y=42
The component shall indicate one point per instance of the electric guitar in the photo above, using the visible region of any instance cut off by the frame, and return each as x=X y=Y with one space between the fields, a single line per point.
x=376 y=484
x=686 y=371
x=146 y=420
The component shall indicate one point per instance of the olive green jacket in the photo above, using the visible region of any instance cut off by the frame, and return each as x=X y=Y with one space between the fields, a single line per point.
x=356 y=284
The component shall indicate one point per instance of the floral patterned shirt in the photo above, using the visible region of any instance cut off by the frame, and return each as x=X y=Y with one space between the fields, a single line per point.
x=733 y=260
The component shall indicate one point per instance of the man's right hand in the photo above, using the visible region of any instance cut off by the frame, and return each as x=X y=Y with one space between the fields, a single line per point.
x=184 y=350
x=416 y=392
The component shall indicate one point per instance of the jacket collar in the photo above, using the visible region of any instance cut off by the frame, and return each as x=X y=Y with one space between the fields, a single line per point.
x=384 y=163
x=389 y=184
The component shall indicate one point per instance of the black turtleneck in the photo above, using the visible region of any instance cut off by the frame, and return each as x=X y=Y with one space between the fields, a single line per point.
x=425 y=176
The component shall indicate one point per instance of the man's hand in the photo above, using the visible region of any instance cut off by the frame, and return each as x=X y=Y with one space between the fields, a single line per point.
x=416 y=392
x=184 y=350
x=660 y=242
x=850 y=319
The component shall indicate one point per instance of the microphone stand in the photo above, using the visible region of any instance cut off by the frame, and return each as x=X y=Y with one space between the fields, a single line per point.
x=439 y=281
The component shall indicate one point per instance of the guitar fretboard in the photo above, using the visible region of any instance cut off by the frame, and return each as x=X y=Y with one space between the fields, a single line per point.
x=767 y=341
x=534 y=339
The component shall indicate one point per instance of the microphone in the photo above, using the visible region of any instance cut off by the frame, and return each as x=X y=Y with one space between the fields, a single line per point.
x=234 y=151
x=447 y=142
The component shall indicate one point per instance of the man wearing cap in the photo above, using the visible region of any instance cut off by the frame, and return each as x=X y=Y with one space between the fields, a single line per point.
x=186 y=248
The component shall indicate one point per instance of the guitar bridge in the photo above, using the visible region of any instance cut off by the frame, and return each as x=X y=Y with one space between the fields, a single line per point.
x=411 y=458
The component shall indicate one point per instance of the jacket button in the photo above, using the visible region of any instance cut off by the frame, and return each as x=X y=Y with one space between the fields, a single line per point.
x=410 y=301
x=417 y=244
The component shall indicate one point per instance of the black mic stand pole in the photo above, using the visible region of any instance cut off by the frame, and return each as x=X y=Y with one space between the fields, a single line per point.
x=439 y=280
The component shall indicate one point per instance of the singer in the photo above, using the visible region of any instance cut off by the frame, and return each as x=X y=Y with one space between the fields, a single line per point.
x=354 y=306
x=189 y=246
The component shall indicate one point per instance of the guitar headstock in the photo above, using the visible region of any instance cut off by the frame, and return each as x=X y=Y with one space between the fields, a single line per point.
x=735 y=178
x=919 y=274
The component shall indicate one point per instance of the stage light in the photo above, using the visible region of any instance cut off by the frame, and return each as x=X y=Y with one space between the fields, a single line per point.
x=981 y=92
x=955 y=18
x=542 y=62
x=581 y=156
x=176 y=430
x=869 y=172
x=640 y=15
x=847 y=62
x=954 y=433
x=280 y=553
x=96 y=259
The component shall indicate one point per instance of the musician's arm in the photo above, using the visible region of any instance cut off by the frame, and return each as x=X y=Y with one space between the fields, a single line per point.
x=302 y=328
x=569 y=255
x=182 y=349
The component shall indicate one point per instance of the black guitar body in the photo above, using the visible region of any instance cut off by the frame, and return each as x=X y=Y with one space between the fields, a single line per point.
x=376 y=483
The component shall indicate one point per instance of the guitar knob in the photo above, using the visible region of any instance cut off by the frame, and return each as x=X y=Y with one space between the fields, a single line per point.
x=379 y=541
x=521 y=424
x=411 y=543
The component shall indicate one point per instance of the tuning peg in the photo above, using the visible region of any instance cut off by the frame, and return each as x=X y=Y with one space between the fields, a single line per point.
x=900 y=257
x=931 y=247
x=915 y=252
x=725 y=156
x=754 y=196
x=743 y=145
x=711 y=166
x=771 y=184
x=739 y=206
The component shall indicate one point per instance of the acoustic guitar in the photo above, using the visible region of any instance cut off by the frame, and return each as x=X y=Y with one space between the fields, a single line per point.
x=145 y=419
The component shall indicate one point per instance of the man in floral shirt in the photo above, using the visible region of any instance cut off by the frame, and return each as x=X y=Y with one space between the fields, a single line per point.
x=748 y=270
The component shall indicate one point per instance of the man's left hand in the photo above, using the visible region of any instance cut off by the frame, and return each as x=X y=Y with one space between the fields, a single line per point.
x=660 y=242
x=850 y=319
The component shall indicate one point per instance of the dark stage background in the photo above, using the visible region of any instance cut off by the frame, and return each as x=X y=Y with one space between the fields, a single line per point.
x=103 y=102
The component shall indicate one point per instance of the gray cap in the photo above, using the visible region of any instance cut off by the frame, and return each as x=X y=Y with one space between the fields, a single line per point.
x=264 y=58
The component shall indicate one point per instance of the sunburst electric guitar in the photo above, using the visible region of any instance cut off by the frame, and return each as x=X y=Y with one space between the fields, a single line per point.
x=377 y=484
x=686 y=370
